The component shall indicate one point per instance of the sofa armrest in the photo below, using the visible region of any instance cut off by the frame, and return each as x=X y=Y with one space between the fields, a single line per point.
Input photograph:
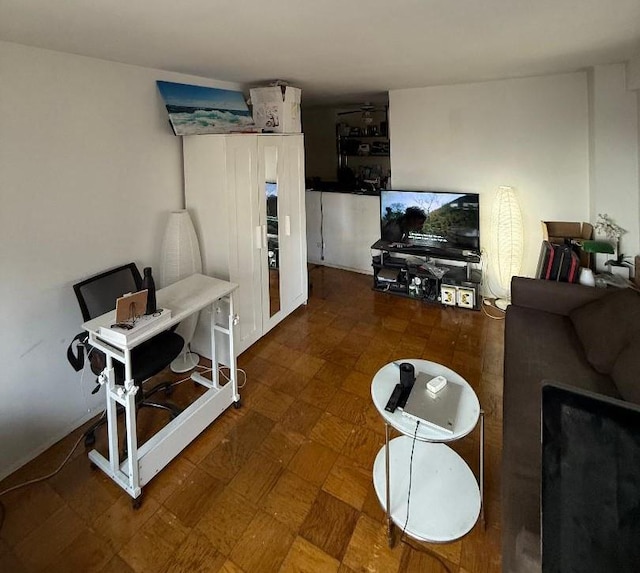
x=552 y=296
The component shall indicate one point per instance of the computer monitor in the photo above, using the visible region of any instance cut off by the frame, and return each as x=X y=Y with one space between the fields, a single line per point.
x=590 y=482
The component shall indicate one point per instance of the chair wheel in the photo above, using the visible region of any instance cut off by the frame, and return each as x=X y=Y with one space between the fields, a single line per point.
x=89 y=440
x=136 y=502
x=237 y=404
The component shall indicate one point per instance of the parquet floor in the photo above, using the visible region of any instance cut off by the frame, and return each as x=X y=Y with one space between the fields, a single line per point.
x=284 y=483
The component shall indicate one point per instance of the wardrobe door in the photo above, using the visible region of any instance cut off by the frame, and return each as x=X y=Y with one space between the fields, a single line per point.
x=293 y=284
x=270 y=189
x=205 y=178
x=246 y=236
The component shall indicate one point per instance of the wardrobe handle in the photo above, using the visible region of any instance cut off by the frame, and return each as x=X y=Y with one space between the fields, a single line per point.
x=287 y=225
x=258 y=237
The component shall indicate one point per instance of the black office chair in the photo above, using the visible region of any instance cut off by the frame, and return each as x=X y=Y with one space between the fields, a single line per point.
x=97 y=295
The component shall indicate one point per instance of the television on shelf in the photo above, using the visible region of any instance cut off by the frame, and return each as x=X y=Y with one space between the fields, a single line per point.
x=439 y=220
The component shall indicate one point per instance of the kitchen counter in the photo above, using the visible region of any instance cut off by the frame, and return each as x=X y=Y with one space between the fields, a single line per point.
x=341 y=226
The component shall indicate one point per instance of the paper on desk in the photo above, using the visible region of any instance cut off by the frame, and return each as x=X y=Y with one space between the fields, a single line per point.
x=122 y=335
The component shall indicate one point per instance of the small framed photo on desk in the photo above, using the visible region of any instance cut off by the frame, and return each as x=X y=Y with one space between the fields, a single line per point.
x=131 y=306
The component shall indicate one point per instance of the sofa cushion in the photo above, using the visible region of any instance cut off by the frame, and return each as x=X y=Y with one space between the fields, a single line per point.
x=626 y=371
x=605 y=326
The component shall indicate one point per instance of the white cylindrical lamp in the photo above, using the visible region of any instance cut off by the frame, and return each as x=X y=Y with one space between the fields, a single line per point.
x=180 y=258
x=508 y=240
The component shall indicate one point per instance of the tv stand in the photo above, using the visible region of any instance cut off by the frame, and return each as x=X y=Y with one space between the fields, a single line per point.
x=419 y=272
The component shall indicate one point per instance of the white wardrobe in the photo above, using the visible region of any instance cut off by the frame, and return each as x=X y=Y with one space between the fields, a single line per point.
x=245 y=194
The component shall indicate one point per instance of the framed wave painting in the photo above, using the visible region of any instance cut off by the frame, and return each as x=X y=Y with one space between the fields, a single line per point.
x=195 y=110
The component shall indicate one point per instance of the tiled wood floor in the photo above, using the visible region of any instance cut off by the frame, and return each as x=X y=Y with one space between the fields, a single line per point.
x=284 y=483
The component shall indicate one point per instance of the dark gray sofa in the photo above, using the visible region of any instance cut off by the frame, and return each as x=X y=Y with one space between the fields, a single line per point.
x=581 y=336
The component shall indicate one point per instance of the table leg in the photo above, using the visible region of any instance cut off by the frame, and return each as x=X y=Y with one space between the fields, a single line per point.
x=387 y=430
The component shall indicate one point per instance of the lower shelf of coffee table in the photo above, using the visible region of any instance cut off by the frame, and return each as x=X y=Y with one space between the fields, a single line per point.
x=445 y=496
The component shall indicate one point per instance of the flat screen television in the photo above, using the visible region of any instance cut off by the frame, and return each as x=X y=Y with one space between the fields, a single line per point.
x=431 y=219
x=590 y=482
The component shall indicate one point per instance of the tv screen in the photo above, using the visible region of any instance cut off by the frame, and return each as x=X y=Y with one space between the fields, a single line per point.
x=436 y=219
x=590 y=482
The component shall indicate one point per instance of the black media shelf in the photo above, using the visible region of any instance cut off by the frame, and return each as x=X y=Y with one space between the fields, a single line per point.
x=424 y=276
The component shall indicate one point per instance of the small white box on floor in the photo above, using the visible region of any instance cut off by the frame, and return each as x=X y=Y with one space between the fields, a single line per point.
x=448 y=295
x=466 y=297
x=277 y=109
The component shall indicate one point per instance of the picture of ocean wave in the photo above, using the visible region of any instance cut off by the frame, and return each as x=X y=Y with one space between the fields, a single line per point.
x=209 y=121
x=196 y=110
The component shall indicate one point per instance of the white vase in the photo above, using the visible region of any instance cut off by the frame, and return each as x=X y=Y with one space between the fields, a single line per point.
x=180 y=258
x=586 y=277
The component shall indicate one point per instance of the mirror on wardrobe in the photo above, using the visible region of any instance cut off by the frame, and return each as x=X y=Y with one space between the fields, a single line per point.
x=273 y=240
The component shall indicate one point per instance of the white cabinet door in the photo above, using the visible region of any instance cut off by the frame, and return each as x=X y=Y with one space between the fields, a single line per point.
x=245 y=236
x=281 y=179
x=294 y=257
x=220 y=190
x=270 y=193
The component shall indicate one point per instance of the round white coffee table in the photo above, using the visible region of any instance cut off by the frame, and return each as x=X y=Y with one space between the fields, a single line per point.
x=445 y=498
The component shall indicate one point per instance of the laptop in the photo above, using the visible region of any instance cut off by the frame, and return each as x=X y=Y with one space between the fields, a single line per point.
x=436 y=410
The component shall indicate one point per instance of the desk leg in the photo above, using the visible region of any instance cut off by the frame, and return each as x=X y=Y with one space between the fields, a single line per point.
x=112 y=417
x=130 y=417
x=387 y=431
x=482 y=470
x=233 y=366
x=215 y=375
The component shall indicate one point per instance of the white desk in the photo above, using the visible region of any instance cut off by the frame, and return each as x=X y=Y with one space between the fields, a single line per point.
x=445 y=500
x=183 y=298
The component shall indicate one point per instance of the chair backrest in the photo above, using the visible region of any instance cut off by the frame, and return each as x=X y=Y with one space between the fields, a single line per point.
x=98 y=294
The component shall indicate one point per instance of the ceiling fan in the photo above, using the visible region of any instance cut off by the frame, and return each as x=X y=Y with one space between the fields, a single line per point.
x=366 y=110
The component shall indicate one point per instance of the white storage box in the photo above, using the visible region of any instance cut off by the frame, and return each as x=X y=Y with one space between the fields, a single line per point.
x=277 y=109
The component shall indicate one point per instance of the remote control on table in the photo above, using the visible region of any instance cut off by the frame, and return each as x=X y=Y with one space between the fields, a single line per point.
x=392 y=404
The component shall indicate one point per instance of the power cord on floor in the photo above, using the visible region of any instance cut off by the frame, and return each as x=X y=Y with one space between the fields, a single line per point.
x=36 y=480
x=406 y=522
x=221 y=371
x=485 y=304
x=413 y=446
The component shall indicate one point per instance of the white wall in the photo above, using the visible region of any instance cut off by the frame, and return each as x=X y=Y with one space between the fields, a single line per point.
x=633 y=73
x=89 y=170
x=531 y=134
x=615 y=188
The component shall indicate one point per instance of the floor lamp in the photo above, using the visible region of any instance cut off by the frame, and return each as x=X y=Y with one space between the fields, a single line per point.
x=181 y=258
x=506 y=222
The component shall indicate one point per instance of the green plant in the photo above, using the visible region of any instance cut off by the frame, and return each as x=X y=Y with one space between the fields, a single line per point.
x=605 y=226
